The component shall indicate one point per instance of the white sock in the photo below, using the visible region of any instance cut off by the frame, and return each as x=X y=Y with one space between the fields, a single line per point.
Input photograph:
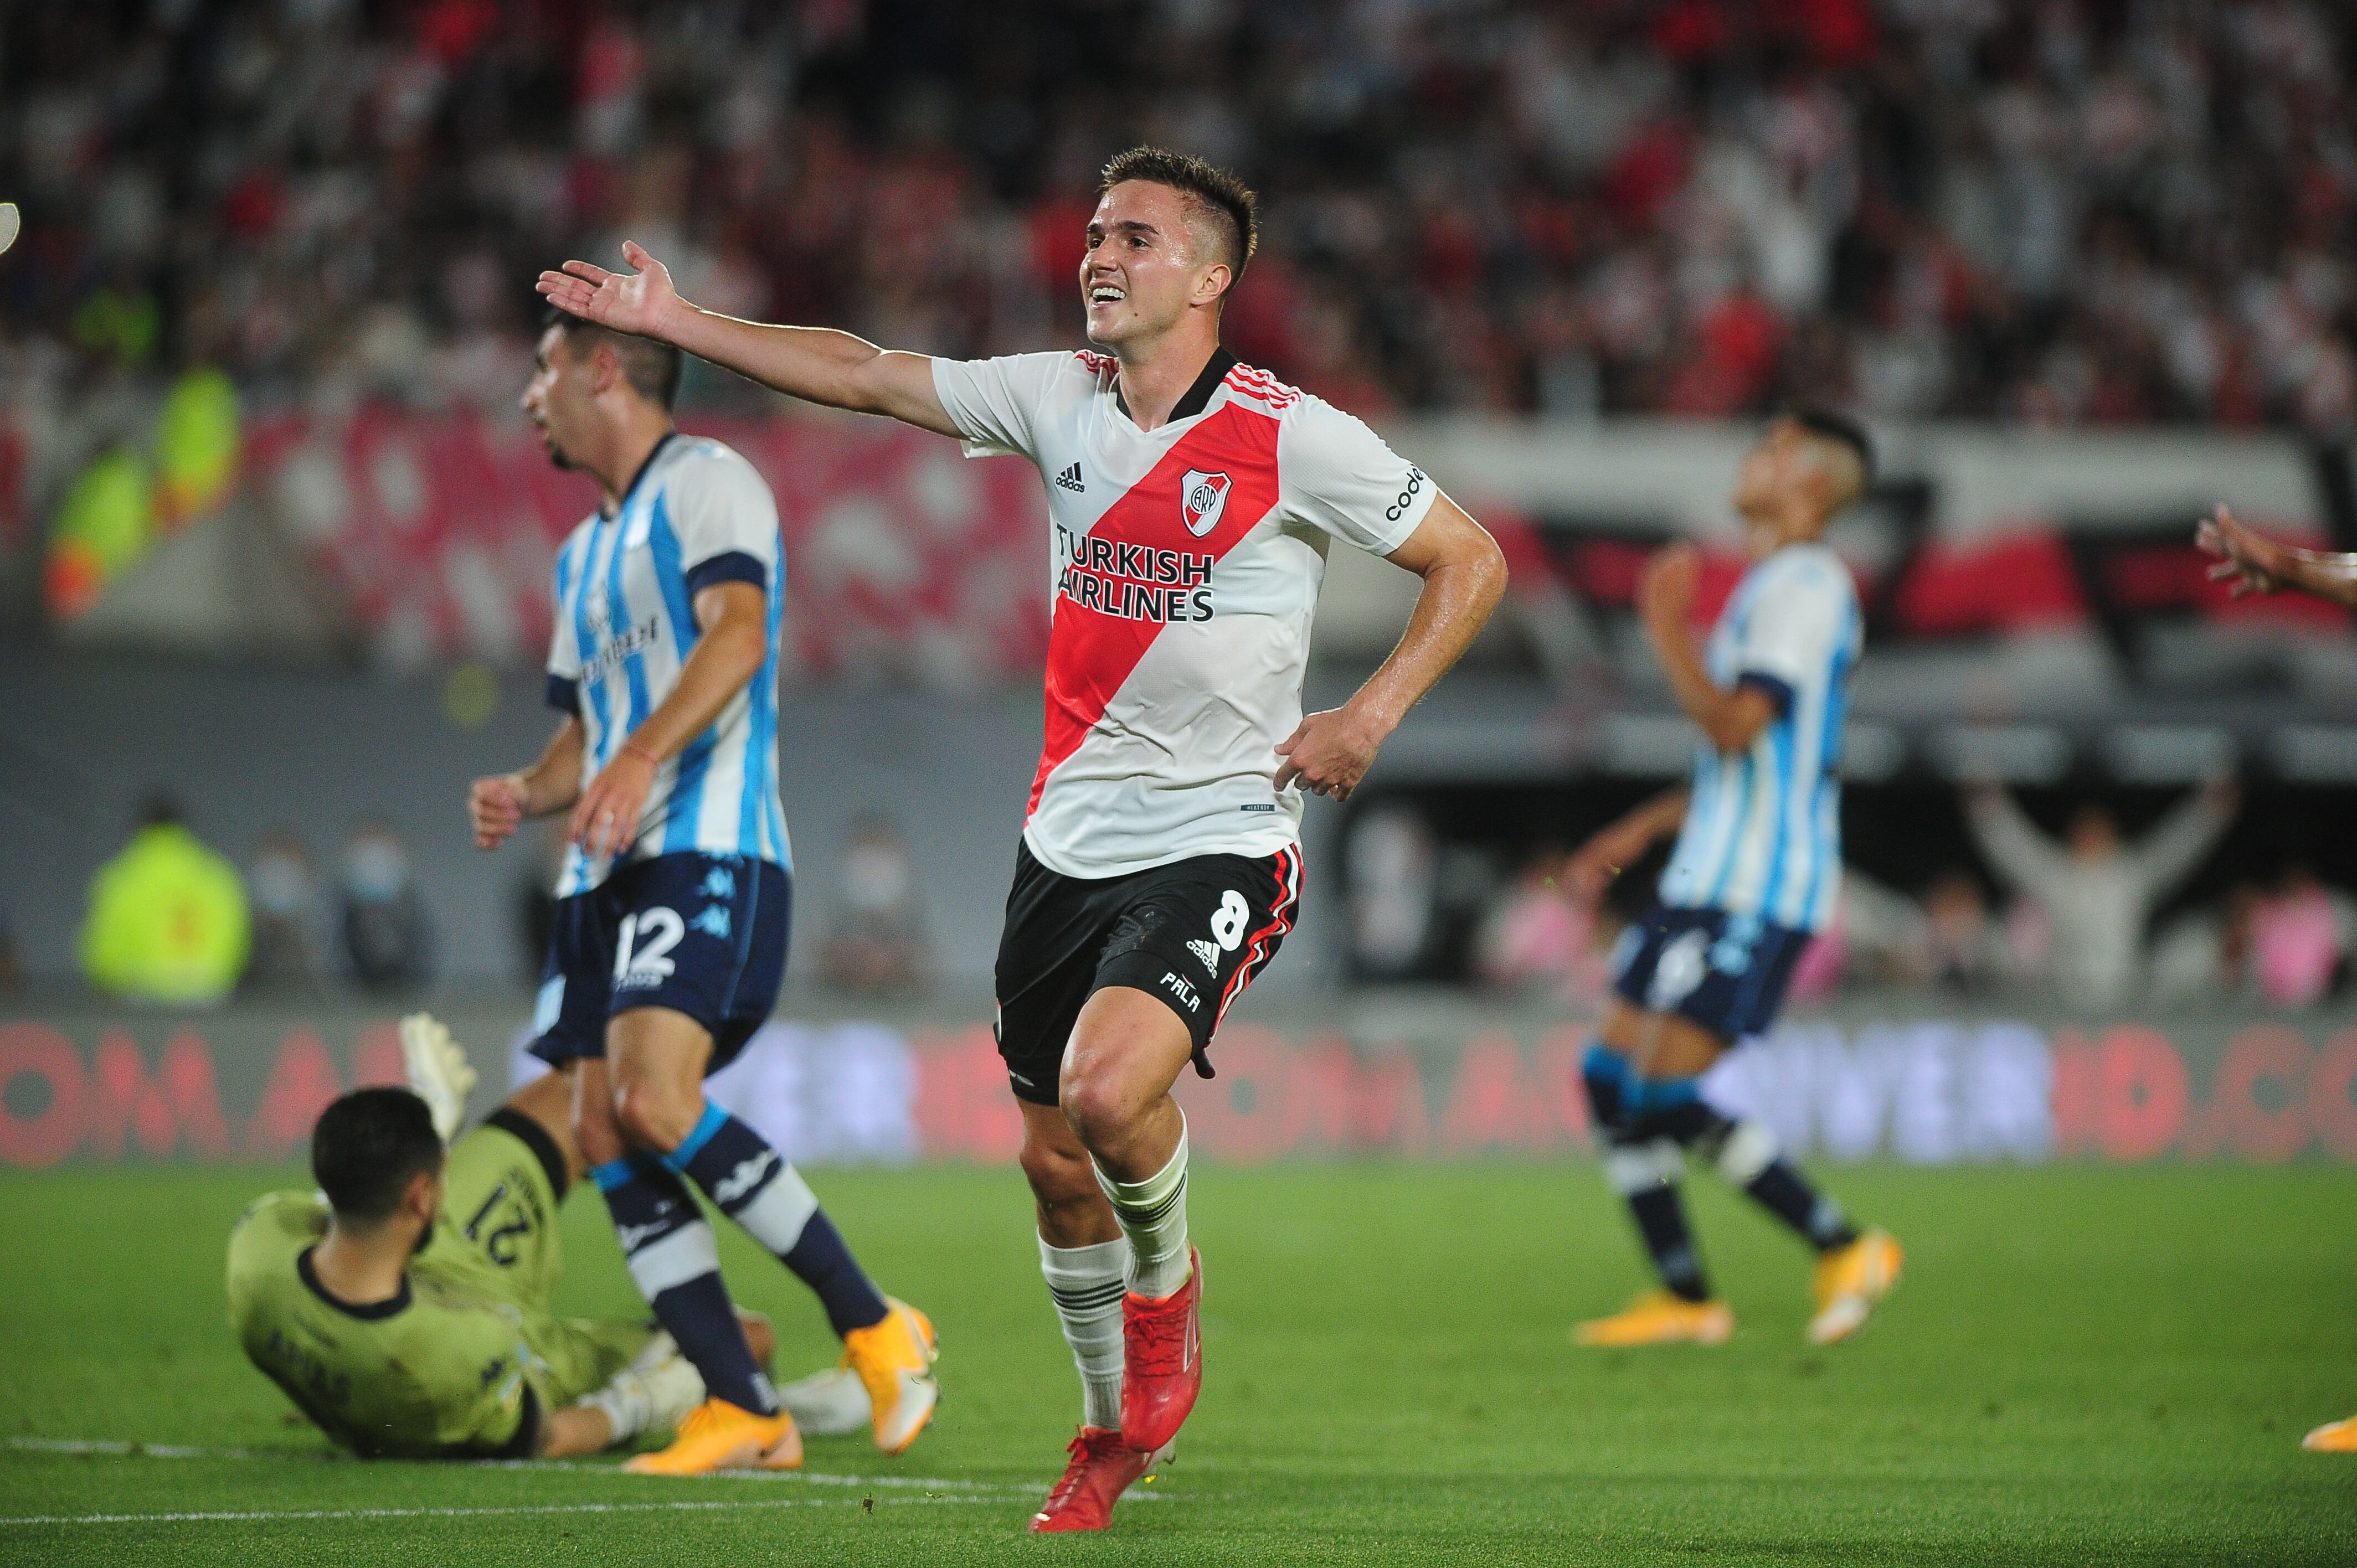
x=1087 y=1283
x=1153 y=1214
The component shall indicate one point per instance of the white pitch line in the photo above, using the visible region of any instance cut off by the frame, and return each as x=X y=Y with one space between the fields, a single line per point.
x=978 y=1491
x=276 y=1515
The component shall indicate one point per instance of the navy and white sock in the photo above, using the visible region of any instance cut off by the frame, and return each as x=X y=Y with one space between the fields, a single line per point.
x=1745 y=1152
x=673 y=1257
x=752 y=1184
x=1645 y=1174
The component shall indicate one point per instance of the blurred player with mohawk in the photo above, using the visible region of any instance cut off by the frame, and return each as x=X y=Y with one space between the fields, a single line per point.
x=1756 y=871
x=1193 y=501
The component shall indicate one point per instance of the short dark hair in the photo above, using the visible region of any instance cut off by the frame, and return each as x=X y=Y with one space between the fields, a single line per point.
x=652 y=368
x=1211 y=191
x=1841 y=427
x=368 y=1147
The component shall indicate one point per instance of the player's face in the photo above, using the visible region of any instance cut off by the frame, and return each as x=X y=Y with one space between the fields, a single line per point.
x=1141 y=273
x=555 y=398
x=1774 y=474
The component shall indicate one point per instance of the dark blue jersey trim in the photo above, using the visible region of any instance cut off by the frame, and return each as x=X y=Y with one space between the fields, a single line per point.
x=1779 y=691
x=731 y=566
x=565 y=696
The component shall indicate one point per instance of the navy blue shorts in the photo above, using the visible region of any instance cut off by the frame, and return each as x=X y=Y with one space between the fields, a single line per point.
x=1726 y=973
x=699 y=934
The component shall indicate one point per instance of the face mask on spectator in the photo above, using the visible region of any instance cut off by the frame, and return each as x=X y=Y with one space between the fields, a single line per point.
x=280 y=884
x=876 y=879
x=375 y=871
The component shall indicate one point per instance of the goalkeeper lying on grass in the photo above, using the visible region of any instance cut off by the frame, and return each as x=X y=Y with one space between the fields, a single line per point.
x=404 y=1306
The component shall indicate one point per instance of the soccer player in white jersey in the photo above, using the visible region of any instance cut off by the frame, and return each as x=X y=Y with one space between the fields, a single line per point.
x=1755 y=874
x=1193 y=501
x=672 y=907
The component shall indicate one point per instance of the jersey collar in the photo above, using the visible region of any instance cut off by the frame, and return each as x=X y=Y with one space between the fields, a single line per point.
x=631 y=488
x=1199 y=396
x=373 y=1312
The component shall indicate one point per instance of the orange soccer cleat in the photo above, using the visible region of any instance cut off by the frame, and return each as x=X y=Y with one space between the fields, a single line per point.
x=1101 y=1469
x=894 y=1359
x=1660 y=1317
x=718 y=1435
x=2332 y=1438
x=1162 y=1360
x=1848 y=1281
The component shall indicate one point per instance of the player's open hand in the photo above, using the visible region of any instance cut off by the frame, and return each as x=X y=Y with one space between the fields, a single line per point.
x=642 y=302
x=1666 y=594
x=1329 y=752
x=2250 y=562
x=496 y=807
x=606 y=821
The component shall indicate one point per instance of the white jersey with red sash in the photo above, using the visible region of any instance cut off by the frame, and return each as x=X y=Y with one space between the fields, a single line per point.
x=1186 y=563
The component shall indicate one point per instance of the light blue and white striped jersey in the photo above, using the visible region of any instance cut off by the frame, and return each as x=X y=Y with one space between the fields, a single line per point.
x=1762 y=831
x=697 y=514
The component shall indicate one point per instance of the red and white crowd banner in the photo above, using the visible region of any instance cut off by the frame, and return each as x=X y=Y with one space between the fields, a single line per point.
x=241 y=1087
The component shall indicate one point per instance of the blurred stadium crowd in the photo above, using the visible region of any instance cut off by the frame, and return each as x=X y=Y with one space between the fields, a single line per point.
x=2059 y=211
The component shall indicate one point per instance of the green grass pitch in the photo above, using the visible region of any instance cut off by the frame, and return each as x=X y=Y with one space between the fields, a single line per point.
x=2083 y=1366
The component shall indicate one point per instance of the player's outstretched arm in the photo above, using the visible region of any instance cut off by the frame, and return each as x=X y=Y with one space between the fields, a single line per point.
x=2254 y=564
x=1464 y=574
x=497 y=806
x=814 y=363
x=1665 y=596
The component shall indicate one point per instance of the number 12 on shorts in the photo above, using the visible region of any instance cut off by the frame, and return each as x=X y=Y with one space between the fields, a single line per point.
x=649 y=964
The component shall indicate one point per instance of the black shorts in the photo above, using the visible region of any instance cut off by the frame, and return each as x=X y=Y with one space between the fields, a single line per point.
x=1194 y=933
x=696 y=933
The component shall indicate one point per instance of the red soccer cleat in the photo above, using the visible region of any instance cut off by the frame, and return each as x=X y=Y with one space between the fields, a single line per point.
x=1162 y=1360
x=1101 y=1469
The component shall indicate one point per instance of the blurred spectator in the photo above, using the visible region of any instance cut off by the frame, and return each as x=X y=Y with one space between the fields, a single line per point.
x=1962 y=949
x=1877 y=936
x=2097 y=894
x=1539 y=933
x=387 y=942
x=167 y=919
x=2299 y=937
x=2061 y=213
x=878 y=945
x=1391 y=863
x=285 y=896
x=2204 y=955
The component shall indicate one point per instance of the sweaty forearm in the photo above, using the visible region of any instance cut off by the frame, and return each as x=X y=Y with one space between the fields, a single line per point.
x=814 y=363
x=1457 y=601
x=817 y=364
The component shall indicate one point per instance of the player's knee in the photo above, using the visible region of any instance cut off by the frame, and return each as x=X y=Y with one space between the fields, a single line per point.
x=1097 y=1104
x=654 y=1115
x=1058 y=1177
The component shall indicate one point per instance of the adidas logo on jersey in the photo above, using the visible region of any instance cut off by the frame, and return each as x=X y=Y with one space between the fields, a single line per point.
x=1071 y=479
x=1207 y=952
